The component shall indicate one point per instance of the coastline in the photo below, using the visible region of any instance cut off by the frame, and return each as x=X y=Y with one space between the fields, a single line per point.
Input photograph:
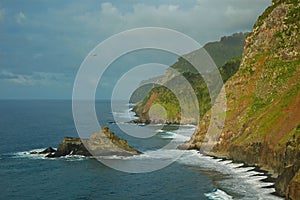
x=282 y=180
x=268 y=173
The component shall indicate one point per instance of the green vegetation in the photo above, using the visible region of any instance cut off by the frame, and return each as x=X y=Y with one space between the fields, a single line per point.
x=298 y=128
x=168 y=100
x=293 y=15
x=262 y=127
x=227 y=48
x=221 y=52
x=140 y=93
x=230 y=68
x=226 y=53
x=265 y=14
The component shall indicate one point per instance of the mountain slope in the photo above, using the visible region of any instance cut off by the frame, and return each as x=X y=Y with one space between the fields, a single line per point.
x=226 y=54
x=263 y=101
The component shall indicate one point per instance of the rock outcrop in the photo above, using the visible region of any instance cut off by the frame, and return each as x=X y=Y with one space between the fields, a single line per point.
x=262 y=124
x=102 y=143
x=293 y=191
x=46 y=151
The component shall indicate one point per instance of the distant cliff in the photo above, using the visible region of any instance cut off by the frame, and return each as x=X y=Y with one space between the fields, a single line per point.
x=226 y=53
x=220 y=51
x=263 y=101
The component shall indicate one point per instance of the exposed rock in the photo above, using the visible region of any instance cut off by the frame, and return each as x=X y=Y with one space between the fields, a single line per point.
x=102 y=143
x=262 y=126
x=70 y=146
x=293 y=191
x=46 y=151
x=283 y=183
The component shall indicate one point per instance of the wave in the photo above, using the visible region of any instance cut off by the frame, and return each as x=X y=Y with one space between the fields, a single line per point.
x=172 y=135
x=131 y=104
x=125 y=115
x=240 y=179
x=167 y=134
x=72 y=158
x=218 y=194
x=161 y=154
x=27 y=155
x=188 y=125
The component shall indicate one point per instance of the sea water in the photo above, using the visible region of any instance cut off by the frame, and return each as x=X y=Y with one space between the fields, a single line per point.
x=32 y=125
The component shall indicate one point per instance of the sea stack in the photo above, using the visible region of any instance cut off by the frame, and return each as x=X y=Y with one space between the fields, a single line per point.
x=101 y=143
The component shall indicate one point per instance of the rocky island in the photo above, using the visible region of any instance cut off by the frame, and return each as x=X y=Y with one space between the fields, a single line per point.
x=101 y=143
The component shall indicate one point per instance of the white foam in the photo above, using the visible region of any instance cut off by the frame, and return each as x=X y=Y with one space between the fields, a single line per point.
x=218 y=195
x=225 y=162
x=26 y=154
x=245 y=174
x=242 y=180
x=235 y=165
x=245 y=169
x=72 y=158
x=160 y=154
x=188 y=125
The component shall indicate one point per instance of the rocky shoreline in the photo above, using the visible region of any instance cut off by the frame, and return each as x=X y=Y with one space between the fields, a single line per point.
x=262 y=126
x=283 y=183
x=102 y=143
x=286 y=178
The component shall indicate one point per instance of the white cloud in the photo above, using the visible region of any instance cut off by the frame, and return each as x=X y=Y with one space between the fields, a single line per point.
x=58 y=37
x=205 y=20
x=36 y=78
x=109 y=9
x=20 y=18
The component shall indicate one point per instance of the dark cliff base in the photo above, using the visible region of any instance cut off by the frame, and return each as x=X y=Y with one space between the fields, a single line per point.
x=285 y=177
x=284 y=183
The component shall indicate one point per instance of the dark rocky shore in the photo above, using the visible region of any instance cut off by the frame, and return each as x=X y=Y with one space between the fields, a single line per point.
x=102 y=143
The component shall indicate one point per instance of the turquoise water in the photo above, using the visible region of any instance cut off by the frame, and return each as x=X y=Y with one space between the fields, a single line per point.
x=29 y=125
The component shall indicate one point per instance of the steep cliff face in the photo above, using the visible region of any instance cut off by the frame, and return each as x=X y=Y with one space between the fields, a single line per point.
x=263 y=100
x=225 y=53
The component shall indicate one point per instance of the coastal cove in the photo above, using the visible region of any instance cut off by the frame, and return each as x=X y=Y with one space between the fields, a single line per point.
x=45 y=123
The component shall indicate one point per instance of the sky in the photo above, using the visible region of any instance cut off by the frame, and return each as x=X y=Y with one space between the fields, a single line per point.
x=44 y=42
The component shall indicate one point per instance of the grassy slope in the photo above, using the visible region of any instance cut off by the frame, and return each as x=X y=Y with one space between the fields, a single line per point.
x=227 y=51
x=263 y=113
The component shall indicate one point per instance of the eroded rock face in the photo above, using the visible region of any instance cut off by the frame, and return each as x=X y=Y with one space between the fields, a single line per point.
x=102 y=143
x=288 y=183
x=293 y=191
x=262 y=124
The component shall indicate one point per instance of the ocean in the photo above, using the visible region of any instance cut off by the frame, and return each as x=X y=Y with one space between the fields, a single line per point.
x=30 y=125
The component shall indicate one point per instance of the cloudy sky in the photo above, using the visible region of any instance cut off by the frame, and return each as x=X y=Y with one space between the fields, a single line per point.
x=44 y=42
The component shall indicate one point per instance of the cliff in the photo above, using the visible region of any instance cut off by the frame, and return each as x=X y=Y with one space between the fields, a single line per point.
x=262 y=124
x=225 y=53
x=102 y=143
x=221 y=52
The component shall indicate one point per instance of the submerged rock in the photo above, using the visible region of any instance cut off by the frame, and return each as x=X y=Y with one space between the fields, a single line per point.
x=102 y=143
